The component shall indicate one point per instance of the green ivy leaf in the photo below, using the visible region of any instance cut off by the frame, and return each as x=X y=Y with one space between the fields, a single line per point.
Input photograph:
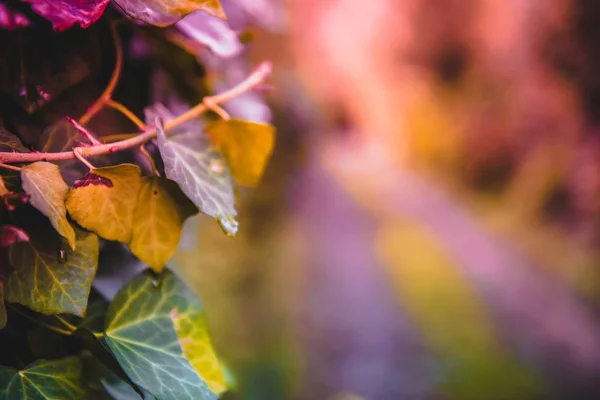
x=246 y=145
x=104 y=201
x=167 y=12
x=49 y=284
x=154 y=361
x=47 y=191
x=157 y=221
x=121 y=390
x=44 y=379
x=201 y=172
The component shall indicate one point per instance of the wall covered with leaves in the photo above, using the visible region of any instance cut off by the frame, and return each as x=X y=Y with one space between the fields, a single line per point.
x=119 y=120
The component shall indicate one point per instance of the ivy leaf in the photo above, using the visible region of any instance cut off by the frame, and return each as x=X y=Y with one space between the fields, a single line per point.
x=121 y=390
x=154 y=362
x=246 y=145
x=201 y=172
x=104 y=201
x=63 y=136
x=158 y=220
x=9 y=235
x=49 y=284
x=10 y=142
x=47 y=191
x=197 y=348
x=167 y=12
x=44 y=379
x=65 y=13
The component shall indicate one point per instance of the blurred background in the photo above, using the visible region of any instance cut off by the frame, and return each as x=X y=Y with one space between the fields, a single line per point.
x=428 y=226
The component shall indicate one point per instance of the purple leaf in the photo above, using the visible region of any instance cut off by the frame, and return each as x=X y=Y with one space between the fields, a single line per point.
x=267 y=14
x=10 y=235
x=211 y=32
x=11 y=20
x=65 y=13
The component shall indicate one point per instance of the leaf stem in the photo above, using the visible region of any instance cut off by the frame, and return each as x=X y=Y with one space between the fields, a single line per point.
x=257 y=77
x=77 y=153
x=11 y=167
x=41 y=323
x=127 y=112
x=66 y=323
x=150 y=159
x=87 y=134
x=118 y=137
x=114 y=79
x=210 y=103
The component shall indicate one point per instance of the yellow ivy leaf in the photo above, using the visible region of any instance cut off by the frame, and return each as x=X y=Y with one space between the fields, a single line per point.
x=195 y=342
x=44 y=184
x=246 y=145
x=104 y=201
x=161 y=210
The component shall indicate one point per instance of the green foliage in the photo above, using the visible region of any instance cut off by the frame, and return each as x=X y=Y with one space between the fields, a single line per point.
x=51 y=379
x=51 y=283
x=147 y=304
x=59 y=207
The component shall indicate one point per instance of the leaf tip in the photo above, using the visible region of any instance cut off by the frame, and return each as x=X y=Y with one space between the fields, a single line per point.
x=228 y=224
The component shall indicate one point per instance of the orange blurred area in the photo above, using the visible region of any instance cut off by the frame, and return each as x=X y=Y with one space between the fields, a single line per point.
x=428 y=227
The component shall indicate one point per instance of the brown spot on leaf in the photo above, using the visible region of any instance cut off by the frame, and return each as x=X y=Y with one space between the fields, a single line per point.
x=93 y=179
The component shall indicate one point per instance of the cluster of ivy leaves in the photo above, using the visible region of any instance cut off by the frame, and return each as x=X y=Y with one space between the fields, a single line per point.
x=59 y=337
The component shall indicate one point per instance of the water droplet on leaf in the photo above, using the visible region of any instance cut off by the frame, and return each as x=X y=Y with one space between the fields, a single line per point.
x=229 y=225
x=62 y=256
x=216 y=166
